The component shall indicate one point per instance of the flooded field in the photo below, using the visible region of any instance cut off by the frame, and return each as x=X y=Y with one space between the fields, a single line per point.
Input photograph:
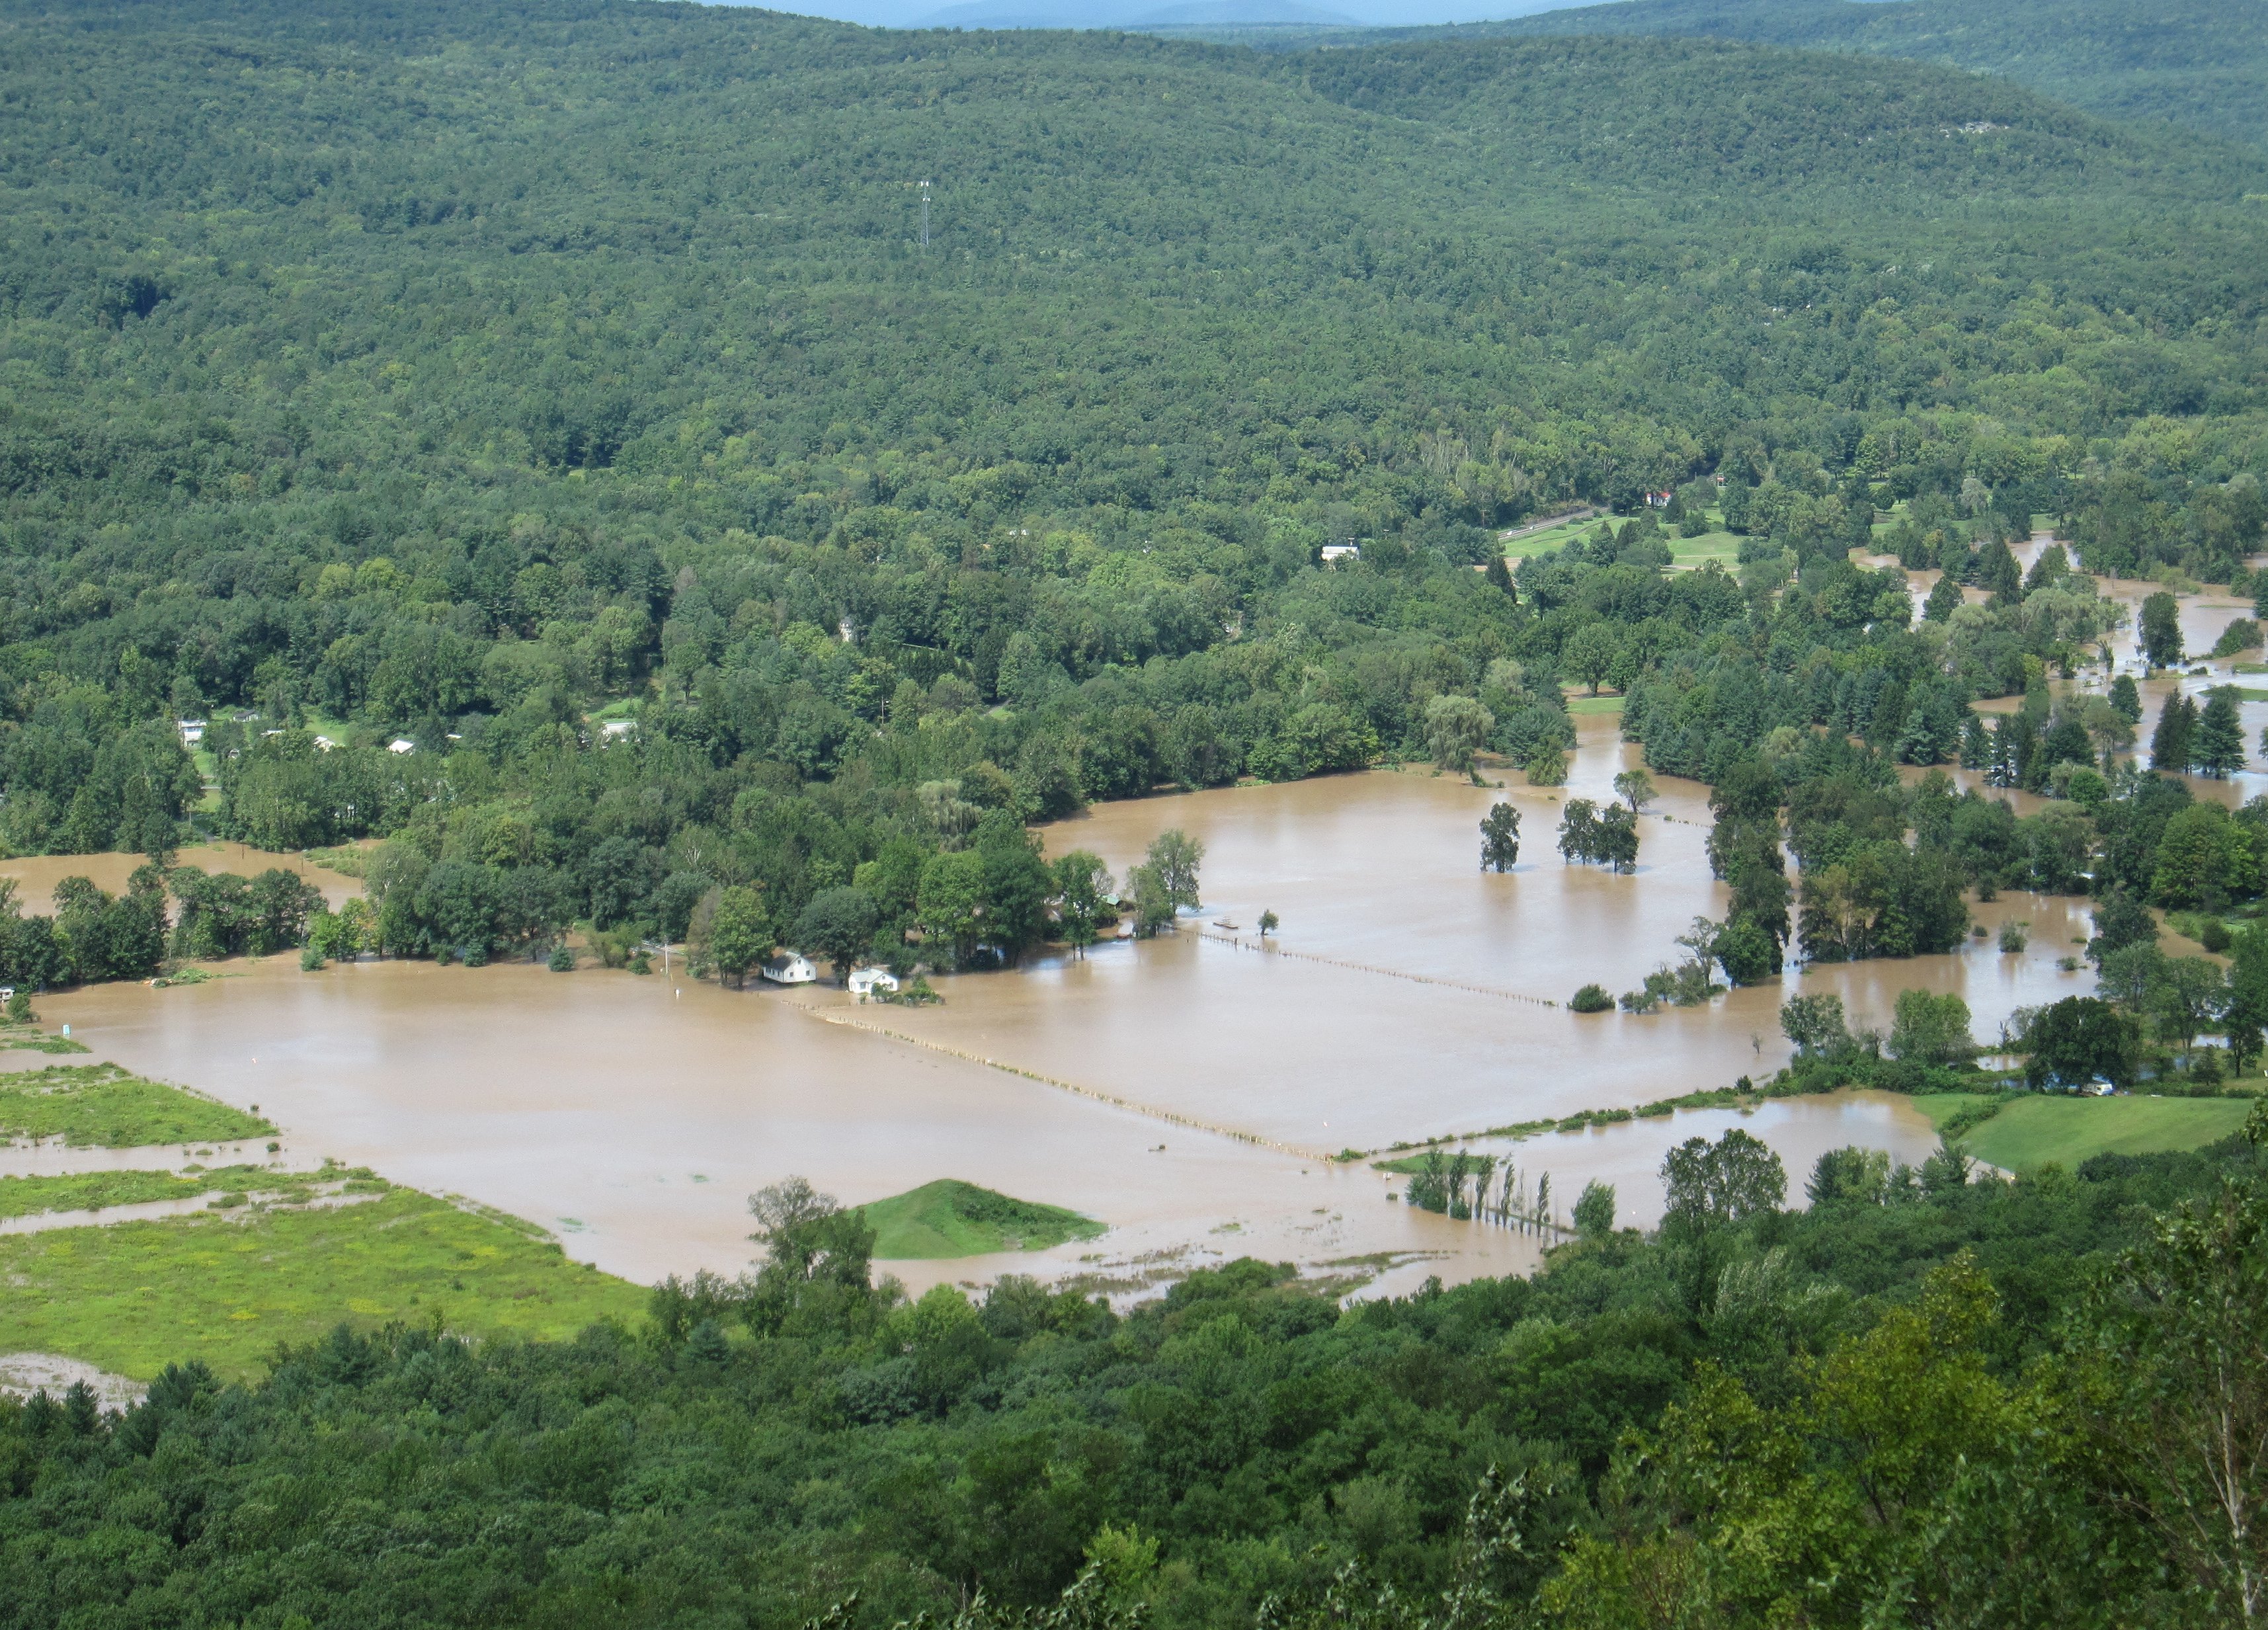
x=1184 y=1091
x=36 y=877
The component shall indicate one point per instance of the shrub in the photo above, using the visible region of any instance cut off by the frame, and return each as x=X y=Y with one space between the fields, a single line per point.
x=1592 y=999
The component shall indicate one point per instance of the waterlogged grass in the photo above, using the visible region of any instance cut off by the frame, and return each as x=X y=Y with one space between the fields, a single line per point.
x=101 y=1106
x=2035 y=1129
x=91 y=1191
x=949 y=1218
x=227 y=1287
x=25 y=1038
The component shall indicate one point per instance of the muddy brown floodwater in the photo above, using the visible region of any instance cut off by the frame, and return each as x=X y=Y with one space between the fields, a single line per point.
x=36 y=877
x=1183 y=1090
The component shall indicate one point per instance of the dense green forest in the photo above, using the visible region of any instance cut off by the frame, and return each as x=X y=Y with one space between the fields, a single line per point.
x=2203 y=64
x=1922 y=1401
x=452 y=375
x=539 y=436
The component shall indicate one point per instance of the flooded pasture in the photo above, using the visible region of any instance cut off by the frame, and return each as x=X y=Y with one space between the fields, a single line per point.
x=1184 y=1090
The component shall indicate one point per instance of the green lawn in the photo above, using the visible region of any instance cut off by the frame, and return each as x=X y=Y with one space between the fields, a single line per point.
x=1687 y=553
x=1580 y=703
x=227 y=1287
x=100 y=1105
x=1548 y=539
x=949 y=1218
x=2034 y=1130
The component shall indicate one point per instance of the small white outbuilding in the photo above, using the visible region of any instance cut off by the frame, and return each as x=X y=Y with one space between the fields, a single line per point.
x=868 y=983
x=791 y=969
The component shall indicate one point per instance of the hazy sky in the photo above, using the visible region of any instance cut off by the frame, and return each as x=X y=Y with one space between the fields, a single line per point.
x=1092 y=13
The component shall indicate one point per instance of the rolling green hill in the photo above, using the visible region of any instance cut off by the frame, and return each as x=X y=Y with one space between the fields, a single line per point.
x=2201 y=63
x=470 y=371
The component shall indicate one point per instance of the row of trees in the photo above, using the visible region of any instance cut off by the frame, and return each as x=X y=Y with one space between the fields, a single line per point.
x=94 y=935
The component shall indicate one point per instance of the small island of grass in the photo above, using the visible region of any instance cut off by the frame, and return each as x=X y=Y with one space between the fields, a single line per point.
x=950 y=1217
x=101 y=1106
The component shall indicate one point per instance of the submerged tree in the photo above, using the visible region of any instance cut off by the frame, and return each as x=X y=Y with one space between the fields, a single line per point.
x=1500 y=839
x=1456 y=728
x=2161 y=631
x=1174 y=857
x=1082 y=882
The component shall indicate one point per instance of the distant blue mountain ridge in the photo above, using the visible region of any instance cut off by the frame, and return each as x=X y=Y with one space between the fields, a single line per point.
x=1137 y=14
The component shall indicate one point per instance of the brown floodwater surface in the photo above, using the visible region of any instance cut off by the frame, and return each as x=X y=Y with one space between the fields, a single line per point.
x=1181 y=1090
x=37 y=875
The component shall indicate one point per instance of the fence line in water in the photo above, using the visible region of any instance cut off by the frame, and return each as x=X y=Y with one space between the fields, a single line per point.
x=1242 y=944
x=1511 y=1206
x=1116 y=1102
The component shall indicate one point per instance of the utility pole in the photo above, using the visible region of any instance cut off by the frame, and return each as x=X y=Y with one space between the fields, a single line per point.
x=924 y=226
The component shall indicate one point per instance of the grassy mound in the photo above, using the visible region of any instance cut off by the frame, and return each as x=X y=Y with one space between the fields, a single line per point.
x=227 y=1287
x=101 y=1106
x=2032 y=1129
x=949 y=1218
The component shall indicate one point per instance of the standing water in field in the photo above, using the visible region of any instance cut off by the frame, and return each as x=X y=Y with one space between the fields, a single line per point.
x=1184 y=1090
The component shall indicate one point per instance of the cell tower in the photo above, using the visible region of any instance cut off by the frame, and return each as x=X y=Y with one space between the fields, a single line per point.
x=924 y=230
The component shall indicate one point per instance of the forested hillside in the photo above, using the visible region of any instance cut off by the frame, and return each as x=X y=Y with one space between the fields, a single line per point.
x=538 y=435
x=1923 y=1401
x=458 y=373
x=2200 y=63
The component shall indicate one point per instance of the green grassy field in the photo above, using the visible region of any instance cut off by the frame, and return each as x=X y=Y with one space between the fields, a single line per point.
x=2032 y=1131
x=949 y=1218
x=1686 y=553
x=100 y=1105
x=228 y=1286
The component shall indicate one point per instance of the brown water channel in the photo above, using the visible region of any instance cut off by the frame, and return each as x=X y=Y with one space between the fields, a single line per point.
x=1181 y=1090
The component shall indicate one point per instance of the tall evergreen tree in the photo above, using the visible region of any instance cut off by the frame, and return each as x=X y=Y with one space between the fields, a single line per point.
x=2172 y=742
x=2217 y=746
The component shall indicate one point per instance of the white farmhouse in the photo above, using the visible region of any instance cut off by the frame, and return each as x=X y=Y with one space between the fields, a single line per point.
x=791 y=969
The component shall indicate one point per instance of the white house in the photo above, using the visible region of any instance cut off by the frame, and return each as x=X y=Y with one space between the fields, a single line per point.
x=866 y=983
x=615 y=729
x=791 y=969
x=402 y=744
x=1334 y=553
x=193 y=730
